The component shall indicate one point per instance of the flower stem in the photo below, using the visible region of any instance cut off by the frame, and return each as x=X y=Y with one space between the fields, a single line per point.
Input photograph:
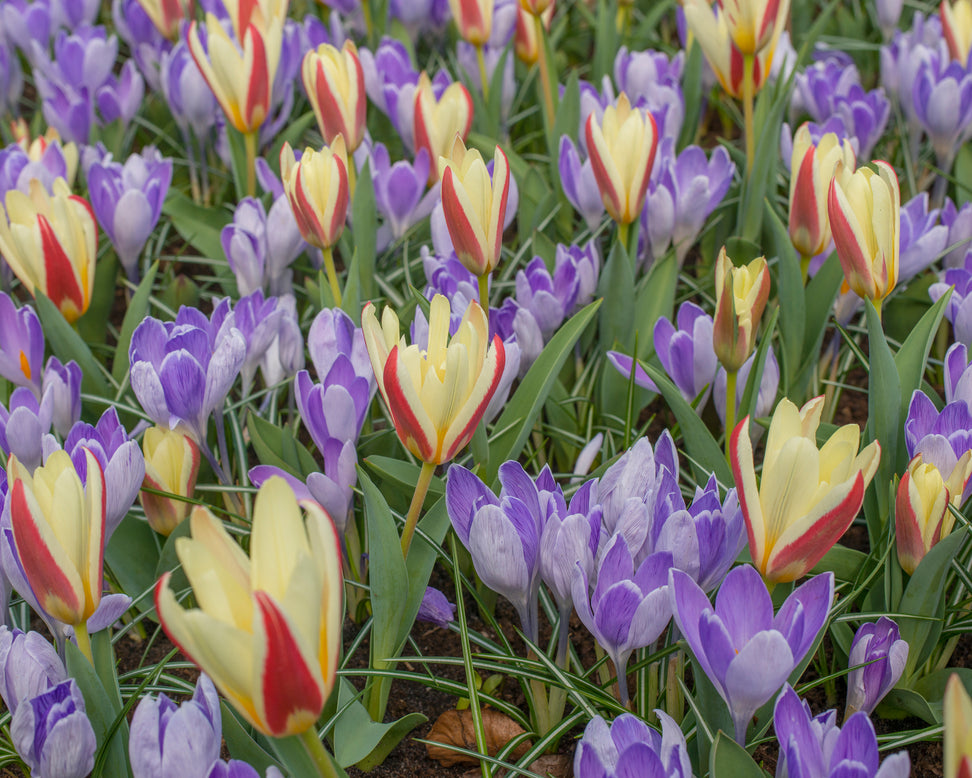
x=84 y=640
x=250 y=139
x=805 y=267
x=878 y=304
x=317 y=753
x=483 y=79
x=730 y=407
x=421 y=489
x=623 y=229
x=484 y=293
x=544 y=66
x=748 y=95
x=332 y=278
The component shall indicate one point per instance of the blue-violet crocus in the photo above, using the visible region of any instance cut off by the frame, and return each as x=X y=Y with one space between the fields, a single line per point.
x=877 y=660
x=628 y=747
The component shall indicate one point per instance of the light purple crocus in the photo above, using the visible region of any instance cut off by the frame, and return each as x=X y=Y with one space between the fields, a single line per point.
x=21 y=345
x=512 y=322
x=888 y=15
x=17 y=169
x=127 y=199
x=53 y=735
x=63 y=384
x=653 y=81
x=959 y=224
x=236 y=768
x=579 y=184
x=436 y=608
x=958 y=376
x=815 y=747
x=23 y=425
x=29 y=666
x=258 y=320
x=877 y=660
x=958 y=310
x=170 y=741
x=942 y=95
x=284 y=357
x=246 y=245
x=941 y=437
x=586 y=262
x=120 y=97
x=629 y=747
x=744 y=650
x=11 y=79
x=548 y=297
x=400 y=195
x=921 y=238
x=337 y=348
x=418 y=15
x=147 y=45
x=69 y=14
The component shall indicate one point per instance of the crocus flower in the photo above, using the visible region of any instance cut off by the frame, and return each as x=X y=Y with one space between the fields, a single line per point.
x=167 y=15
x=29 y=666
x=817 y=747
x=436 y=397
x=956 y=18
x=185 y=89
x=475 y=206
x=268 y=628
x=744 y=650
x=741 y=295
x=23 y=427
x=236 y=768
x=45 y=160
x=171 y=465
x=63 y=384
x=550 y=298
x=921 y=239
x=260 y=247
x=808 y=496
x=59 y=530
x=958 y=311
x=958 y=376
x=628 y=746
x=170 y=741
x=391 y=80
x=877 y=660
x=957 y=738
x=888 y=14
x=53 y=735
x=958 y=221
x=864 y=212
x=317 y=188
x=942 y=95
x=436 y=608
x=580 y=184
x=334 y=82
x=400 y=195
x=51 y=243
x=21 y=345
x=921 y=512
x=438 y=119
x=474 y=19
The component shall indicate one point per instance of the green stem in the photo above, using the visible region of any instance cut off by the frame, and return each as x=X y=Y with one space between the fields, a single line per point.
x=878 y=305
x=84 y=640
x=749 y=93
x=484 y=293
x=317 y=753
x=623 y=229
x=332 y=278
x=541 y=706
x=484 y=80
x=730 y=407
x=548 y=100
x=805 y=267
x=421 y=489
x=250 y=140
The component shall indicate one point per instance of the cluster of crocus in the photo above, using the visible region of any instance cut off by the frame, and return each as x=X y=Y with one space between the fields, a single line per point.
x=628 y=746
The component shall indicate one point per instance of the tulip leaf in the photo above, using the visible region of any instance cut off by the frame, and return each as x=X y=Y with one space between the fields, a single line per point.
x=360 y=741
x=692 y=93
x=169 y=559
x=728 y=759
x=747 y=405
x=364 y=228
x=91 y=326
x=132 y=555
x=909 y=701
x=845 y=563
x=296 y=760
x=789 y=286
x=617 y=287
x=606 y=43
x=883 y=411
x=67 y=345
x=199 y=226
x=241 y=744
x=932 y=686
x=655 y=299
x=518 y=417
x=404 y=473
x=278 y=447
x=138 y=308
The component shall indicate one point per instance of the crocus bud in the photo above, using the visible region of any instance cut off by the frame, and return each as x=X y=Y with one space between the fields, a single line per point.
x=812 y=170
x=741 y=294
x=921 y=514
x=622 y=151
x=957 y=738
x=957 y=28
x=167 y=15
x=52 y=734
x=865 y=216
x=877 y=660
x=436 y=122
x=171 y=465
x=51 y=243
x=317 y=188
x=474 y=206
x=335 y=85
x=474 y=18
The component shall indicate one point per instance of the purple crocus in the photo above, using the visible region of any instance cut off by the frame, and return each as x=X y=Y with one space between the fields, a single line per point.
x=190 y=99
x=958 y=310
x=246 y=243
x=11 y=79
x=586 y=262
x=877 y=660
x=63 y=384
x=69 y=14
x=744 y=650
x=236 y=768
x=29 y=666
x=959 y=224
x=922 y=239
x=548 y=298
x=629 y=747
x=17 y=169
x=400 y=194
x=258 y=319
x=418 y=15
x=653 y=81
x=958 y=376
x=120 y=97
x=170 y=741
x=53 y=735
x=147 y=45
x=128 y=202
x=941 y=437
x=942 y=96
x=436 y=608
x=23 y=425
x=21 y=345
x=816 y=747
x=579 y=184
x=888 y=14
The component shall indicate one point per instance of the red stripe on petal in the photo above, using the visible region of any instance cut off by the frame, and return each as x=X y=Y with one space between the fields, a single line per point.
x=289 y=687
x=258 y=86
x=468 y=249
x=805 y=227
x=330 y=104
x=407 y=425
x=60 y=279
x=613 y=200
x=742 y=428
x=339 y=208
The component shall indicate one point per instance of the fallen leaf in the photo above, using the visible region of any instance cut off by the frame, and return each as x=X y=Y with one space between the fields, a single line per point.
x=455 y=728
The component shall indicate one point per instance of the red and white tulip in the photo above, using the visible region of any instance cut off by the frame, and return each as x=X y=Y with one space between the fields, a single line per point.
x=334 y=82
x=167 y=15
x=171 y=465
x=436 y=122
x=957 y=28
x=317 y=189
x=474 y=19
x=741 y=295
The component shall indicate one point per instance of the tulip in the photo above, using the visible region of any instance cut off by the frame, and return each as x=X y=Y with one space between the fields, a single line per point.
x=334 y=82
x=474 y=18
x=864 y=211
x=957 y=738
x=741 y=294
x=436 y=122
x=807 y=497
x=812 y=170
x=171 y=465
x=957 y=28
x=59 y=531
x=752 y=23
x=622 y=151
x=921 y=510
x=877 y=660
x=51 y=244
x=526 y=42
x=167 y=15
x=268 y=627
x=475 y=208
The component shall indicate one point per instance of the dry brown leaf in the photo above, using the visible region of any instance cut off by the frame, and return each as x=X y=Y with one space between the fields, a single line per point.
x=455 y=728
x=556 y=765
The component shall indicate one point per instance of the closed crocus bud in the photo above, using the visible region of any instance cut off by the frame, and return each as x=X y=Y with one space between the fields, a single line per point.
x=877 y=660
x=437 y=121
x=957 y=738
x=921 y=514
x=957 y=27
x=51 y=244
x=741 y=294
x=807 y=497
x=436 y=395
x=29 y=666
x=865 y=217
x=53 y=735
x=171 y=465
x=317 y=188
x=622 y=151
x=59 y=532
x=812 y=170
x=335 y=85
x=474 y=206
x=167 y=15
x=268 y=627
x=474 y=19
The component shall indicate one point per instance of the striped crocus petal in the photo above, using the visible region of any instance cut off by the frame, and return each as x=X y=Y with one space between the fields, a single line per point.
x=464 y=424
x=415 y=428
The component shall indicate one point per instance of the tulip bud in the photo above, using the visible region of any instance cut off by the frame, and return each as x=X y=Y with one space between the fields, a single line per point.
x=957 y=738
x=335 y=86
x=436 y=122
x=741 y=294
x=535 y=7
x=622 y=152
x=474 y=18
x=957 y=28
x=877 y=660
x=811 y=172
x=317 y=188
x=921 y=514
x=167 y=15
x=475 y=207
x=865 y=216
x=525 y=41
x=171 y=465
x=752 y=23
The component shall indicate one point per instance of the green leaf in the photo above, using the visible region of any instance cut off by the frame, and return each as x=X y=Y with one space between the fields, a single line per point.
x=169 y=559
x=365 y=231
x=728 y=759
x=789 y=285
x=91 y=326
x=845 y=563
x=883 y=411
x=276 y=446
x=518 y=417
x=404 y=473
x=617 y=288
x=360 y=741
x=606 y=43
x=138 y=308
x=67 y=345
x=932 y=686
x=655 y=299
x=751 y=393
x=241 y=743
x=912 y=702
x=293 y=755
x=132 y=555
x=199 y=226
x=692 y=92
